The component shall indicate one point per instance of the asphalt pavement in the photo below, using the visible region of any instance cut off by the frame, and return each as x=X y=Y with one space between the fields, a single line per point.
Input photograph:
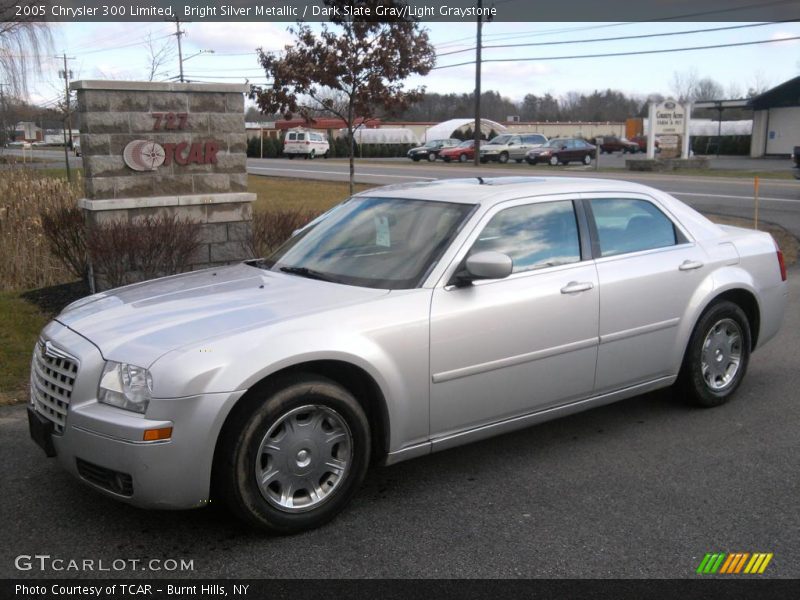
x=640 y=488
x=779 y=200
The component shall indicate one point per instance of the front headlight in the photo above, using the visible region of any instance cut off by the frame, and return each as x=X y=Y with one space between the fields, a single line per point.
x=125 y=386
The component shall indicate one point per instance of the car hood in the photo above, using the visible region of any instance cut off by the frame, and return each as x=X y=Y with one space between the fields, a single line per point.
x=418 y=148
x=140 y=322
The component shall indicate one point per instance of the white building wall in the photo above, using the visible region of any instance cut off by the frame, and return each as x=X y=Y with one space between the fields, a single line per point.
x=783 y=130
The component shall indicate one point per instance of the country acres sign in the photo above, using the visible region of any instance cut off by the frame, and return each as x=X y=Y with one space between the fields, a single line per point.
x=147 y=155
x=669 y=117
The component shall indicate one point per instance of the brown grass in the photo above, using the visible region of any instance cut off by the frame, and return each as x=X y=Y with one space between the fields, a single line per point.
x=24 y=196
x=299 y=194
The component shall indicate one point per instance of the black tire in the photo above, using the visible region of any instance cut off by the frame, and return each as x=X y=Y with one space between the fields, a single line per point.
x=431 y=157
x=327 y=153
x=503 y=158
x=587 y=160
x=241 y=443
x=291 y=156
x=415 y=158
x=554 y=161
x=312 y=155
x=711 y=389
x=446 y=158
x=462 y=157
x=530 y=161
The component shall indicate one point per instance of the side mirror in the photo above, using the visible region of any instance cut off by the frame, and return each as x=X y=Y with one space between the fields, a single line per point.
x=485 y=265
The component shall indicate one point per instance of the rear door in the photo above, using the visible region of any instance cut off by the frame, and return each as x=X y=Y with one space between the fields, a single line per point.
x=648 y=268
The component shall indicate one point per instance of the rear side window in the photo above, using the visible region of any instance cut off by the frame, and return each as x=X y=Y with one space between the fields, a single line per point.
x=301 y=137
x=534 y=139
x=628 y=225
x=535 y=236
x=291 y=137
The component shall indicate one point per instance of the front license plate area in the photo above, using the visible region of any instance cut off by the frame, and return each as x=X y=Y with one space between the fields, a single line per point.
x=41 y=431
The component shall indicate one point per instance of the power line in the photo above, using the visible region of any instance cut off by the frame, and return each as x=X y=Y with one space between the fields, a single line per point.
x=621 y=38
x=611 y=54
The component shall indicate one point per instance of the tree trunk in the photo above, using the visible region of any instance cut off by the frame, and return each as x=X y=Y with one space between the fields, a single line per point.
x=351 y=150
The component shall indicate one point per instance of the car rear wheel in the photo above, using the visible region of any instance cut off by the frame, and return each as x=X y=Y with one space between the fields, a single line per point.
x=717 y=356
x=312 y=154
x=587 y=160
x=554 y=161
x=503 y=158
x=431 y=157
x=293 y=456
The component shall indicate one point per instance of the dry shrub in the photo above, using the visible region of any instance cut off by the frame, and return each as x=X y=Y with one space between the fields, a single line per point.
x=274 y=226
x=26 y=260
x=125 y=252
x=65 y=230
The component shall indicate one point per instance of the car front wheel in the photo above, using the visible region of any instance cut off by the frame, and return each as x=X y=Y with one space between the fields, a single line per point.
x=587 y=160
x=503 y=158
x=462 y=158
x=292 y=457
x=717 y=356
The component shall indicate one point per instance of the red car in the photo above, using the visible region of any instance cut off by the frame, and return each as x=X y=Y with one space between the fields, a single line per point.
x=641 y=141
x=462 y=153
x=612 y=143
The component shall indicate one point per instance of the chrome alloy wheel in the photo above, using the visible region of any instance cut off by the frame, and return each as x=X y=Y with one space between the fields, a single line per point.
x=303 y=458
x=721 y=354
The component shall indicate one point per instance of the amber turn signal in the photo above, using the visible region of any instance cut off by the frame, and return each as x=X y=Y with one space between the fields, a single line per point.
x=153 y=435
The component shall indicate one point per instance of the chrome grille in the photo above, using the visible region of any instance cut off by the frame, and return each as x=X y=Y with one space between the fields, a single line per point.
x=52 y=378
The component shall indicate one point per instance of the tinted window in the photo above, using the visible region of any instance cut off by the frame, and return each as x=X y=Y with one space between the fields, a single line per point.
x=630 y=226
x=534 y=235
x=301 y=136
x=534 y=139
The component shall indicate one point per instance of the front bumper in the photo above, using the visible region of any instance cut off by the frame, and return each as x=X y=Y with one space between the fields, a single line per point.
x=102 y=445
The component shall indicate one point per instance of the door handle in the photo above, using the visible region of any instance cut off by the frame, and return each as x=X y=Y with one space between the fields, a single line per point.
x=574 y=287
x=689 y=265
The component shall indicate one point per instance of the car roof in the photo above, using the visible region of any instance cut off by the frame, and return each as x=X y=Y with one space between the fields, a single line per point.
x=488 y=191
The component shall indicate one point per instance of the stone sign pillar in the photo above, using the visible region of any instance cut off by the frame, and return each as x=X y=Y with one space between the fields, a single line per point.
x=153 y=149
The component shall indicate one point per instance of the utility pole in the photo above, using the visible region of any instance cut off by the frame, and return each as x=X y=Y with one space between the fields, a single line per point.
x=178 y=34
x=67 y=74
x=478 y=86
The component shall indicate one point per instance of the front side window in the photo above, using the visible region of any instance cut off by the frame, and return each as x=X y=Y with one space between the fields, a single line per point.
x=535 y=236
x=628 y=225
x=386 y=243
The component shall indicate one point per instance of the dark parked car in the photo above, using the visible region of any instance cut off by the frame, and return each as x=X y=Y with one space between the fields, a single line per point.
x=430 y=151
x=562 y=152
x=462 y=153
x=796 y=159
x=619 y=144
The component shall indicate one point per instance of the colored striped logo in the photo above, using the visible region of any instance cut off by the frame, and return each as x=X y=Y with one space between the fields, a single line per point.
x=734 y=563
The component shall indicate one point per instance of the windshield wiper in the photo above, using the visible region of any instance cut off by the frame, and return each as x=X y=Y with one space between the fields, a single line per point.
x=309 y=273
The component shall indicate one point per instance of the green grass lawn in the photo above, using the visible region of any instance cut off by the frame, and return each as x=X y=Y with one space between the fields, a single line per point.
x=20 y=324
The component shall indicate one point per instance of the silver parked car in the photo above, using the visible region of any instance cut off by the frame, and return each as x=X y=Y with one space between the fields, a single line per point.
x=408 y=319
x=510 y=147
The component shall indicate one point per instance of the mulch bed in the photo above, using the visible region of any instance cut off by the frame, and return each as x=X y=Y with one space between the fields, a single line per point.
x=51 y=300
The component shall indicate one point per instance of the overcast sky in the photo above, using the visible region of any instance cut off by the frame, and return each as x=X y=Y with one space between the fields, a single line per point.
x=118 y=51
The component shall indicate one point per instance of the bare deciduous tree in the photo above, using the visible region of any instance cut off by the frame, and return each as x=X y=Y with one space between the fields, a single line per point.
x=684 y=84
x=364 y=62
x=158 y=55
x=23 y=46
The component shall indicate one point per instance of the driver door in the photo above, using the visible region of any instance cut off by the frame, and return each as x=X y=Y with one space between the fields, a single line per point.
x=506 y=347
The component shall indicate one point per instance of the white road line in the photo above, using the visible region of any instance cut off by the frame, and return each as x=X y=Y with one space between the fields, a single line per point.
x=789 y=200
x=361 y=174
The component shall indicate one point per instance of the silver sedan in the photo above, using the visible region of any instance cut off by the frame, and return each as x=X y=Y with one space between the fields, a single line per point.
x=406 y=320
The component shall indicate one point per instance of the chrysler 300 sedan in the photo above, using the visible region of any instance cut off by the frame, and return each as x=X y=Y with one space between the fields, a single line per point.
x=406 y=320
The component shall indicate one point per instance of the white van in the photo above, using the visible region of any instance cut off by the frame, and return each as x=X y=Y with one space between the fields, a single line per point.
x=307 y=144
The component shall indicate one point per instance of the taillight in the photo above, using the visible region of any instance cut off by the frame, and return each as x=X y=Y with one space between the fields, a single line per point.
x=307 y=142
x=781 y=262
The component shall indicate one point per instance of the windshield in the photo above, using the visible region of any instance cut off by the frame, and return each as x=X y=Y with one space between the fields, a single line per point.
x=500 y=139
x=386 y=243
